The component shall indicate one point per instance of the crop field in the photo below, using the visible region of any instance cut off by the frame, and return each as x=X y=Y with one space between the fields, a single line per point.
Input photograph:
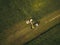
x=15 y=31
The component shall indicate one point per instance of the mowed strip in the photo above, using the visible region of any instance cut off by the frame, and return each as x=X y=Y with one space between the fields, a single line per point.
x=26 y=34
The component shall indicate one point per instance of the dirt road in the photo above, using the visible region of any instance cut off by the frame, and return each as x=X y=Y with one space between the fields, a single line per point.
x=26 y=34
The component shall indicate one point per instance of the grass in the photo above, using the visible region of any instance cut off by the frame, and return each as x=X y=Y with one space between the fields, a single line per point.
x=13 y=12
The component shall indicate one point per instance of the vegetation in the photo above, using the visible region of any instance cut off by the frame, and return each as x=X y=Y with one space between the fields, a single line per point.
x=16 y=11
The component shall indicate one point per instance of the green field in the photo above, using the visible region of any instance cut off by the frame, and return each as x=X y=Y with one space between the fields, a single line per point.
x=13 y=14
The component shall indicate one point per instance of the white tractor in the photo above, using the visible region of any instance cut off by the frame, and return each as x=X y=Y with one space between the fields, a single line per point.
x=33 y=23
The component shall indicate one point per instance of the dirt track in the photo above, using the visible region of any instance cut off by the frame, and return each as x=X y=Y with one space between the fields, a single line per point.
x=25 y=34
